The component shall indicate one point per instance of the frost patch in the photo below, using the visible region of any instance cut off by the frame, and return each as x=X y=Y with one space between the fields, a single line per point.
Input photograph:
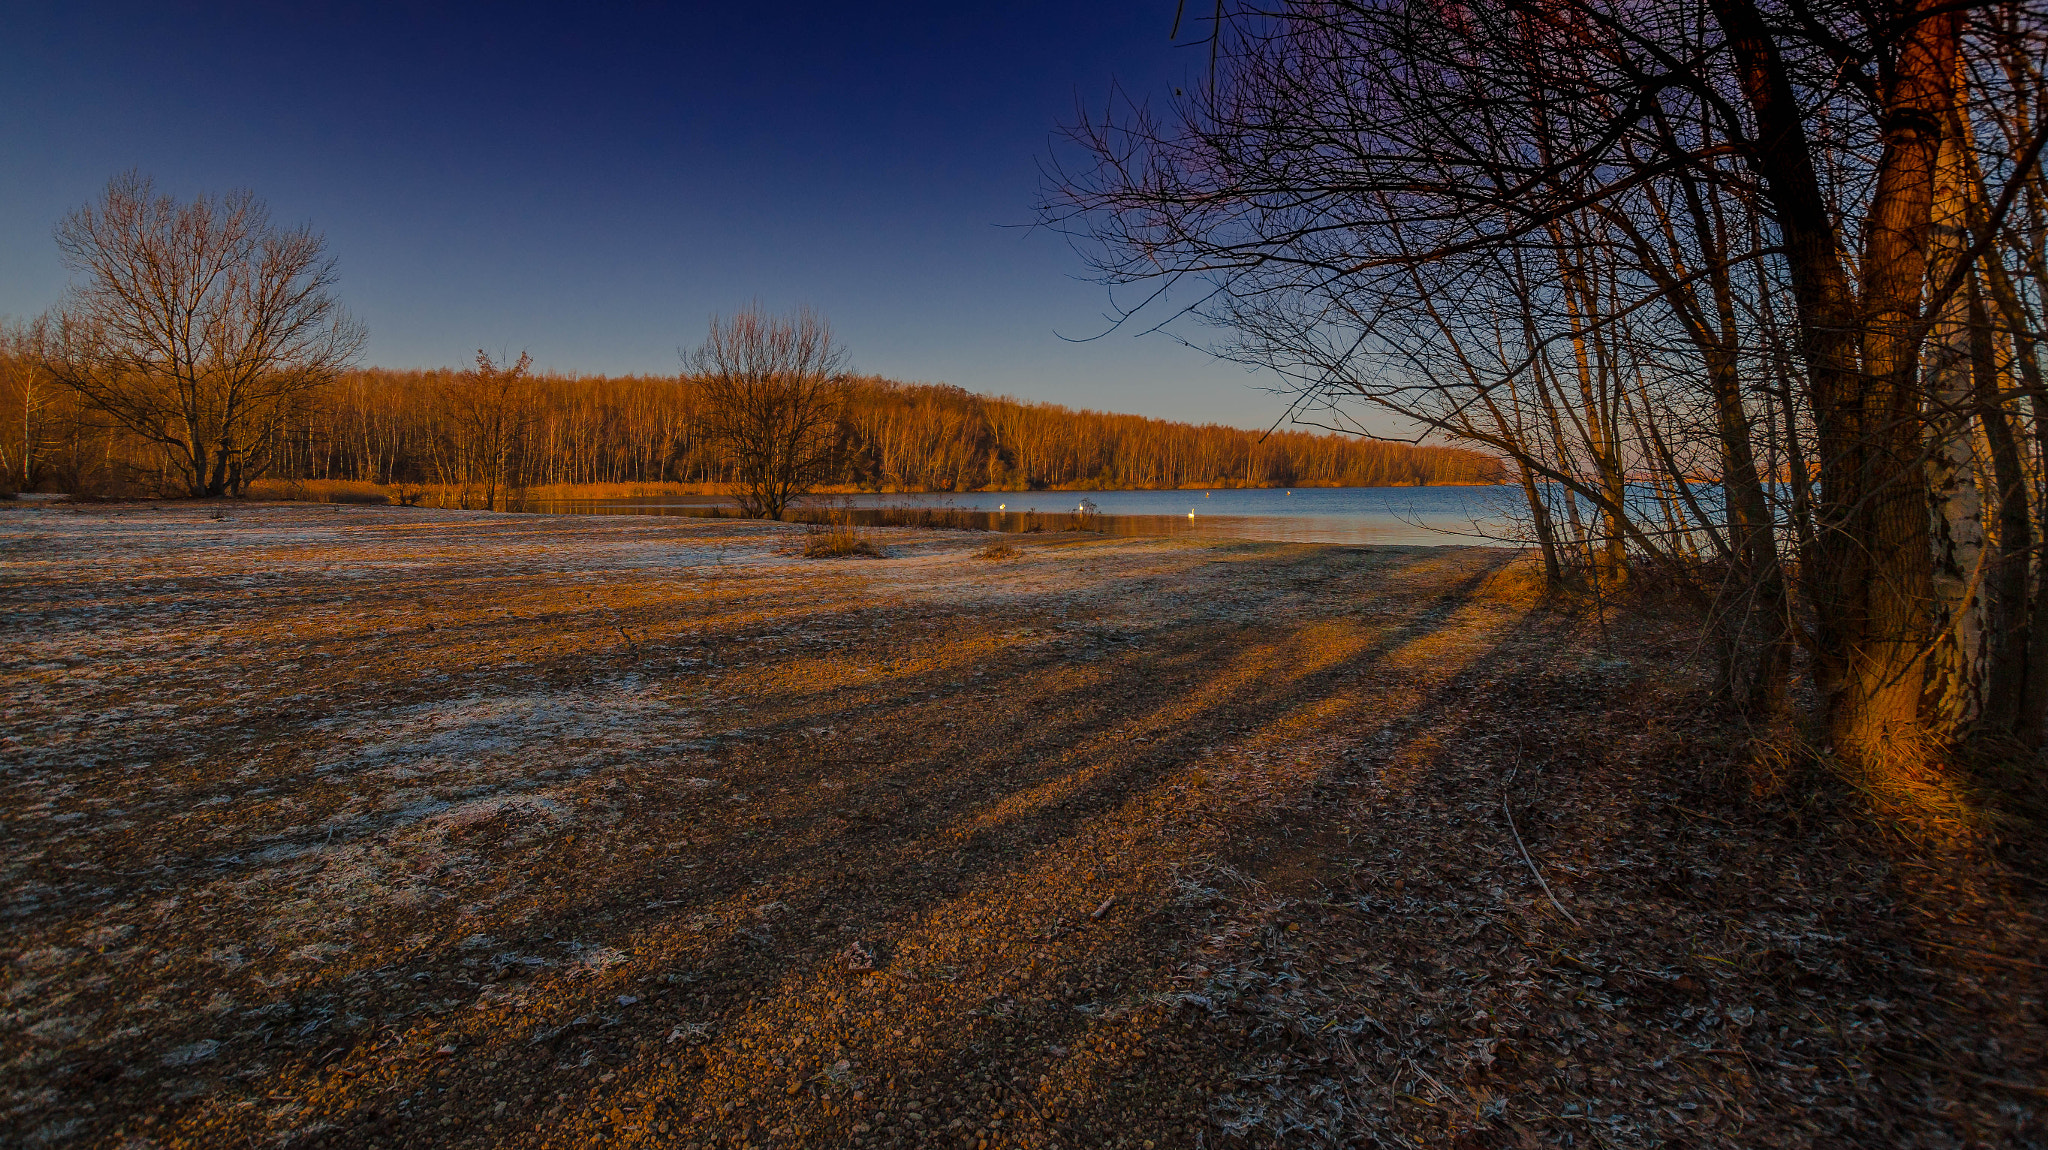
x=199 y=1051
x=57 y=1031
x=468 y=733
x=480 y=811
x=282 y=852
x=103 y=936
x=43 y=957
x=56 y=1133
x=594 y=958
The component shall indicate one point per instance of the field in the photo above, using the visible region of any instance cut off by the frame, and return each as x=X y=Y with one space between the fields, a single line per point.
x=364 y=826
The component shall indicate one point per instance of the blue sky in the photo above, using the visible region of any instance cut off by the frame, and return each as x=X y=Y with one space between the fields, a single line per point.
x=593 y=182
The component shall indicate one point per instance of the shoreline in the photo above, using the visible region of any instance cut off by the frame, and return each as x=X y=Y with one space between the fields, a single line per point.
x=360 y=491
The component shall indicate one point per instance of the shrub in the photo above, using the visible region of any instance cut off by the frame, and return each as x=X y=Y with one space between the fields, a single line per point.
x=998 y=551
x=841 y=543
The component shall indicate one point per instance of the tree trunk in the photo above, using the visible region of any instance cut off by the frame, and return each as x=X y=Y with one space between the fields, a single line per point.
x=1956 y=665
x=1880 y=713
x=2024 y=669
x=1870 y=587
x=2010 y=620
x=1546 y=534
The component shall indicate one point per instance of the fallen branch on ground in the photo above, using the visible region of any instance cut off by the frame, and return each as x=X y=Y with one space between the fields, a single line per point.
x=1532 y=864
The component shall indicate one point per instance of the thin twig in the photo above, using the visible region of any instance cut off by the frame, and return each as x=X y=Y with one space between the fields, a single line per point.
x=1532 y=864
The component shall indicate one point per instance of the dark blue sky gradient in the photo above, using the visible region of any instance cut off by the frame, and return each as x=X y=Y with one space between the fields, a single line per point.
x=593 y=182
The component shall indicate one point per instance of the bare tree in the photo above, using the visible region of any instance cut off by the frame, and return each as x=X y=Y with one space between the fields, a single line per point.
x=774 y=402
x=1623 y=245
x=492 y=406
x=196 y=326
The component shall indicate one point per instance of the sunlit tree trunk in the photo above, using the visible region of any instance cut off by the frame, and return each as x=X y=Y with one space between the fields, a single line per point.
x=1871 y=587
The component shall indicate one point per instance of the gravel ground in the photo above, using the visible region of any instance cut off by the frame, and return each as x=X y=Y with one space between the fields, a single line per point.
x=357 y=826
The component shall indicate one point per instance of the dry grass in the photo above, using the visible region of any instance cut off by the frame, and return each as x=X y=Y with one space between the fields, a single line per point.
x=571 y=491
x=321 y=491
x=999 y=551
x=1518 y=582
x=840 y=543
x=358 y=827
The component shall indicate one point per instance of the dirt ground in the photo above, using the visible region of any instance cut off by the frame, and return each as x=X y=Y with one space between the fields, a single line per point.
x=342 y=826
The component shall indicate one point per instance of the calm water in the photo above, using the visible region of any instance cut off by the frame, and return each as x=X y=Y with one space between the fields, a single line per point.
x=1384 y=515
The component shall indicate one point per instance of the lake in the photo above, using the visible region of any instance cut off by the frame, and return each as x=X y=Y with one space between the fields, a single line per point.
x=1403 y=516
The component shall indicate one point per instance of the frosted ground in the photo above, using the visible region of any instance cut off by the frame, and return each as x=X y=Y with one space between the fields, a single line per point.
x=371 y=826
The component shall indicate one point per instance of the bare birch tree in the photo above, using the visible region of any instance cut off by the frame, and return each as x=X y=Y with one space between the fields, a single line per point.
x=28 y=382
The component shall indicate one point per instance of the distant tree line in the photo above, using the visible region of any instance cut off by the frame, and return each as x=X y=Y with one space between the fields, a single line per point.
x=200 y=348
x=496 y=429
x=393 y=426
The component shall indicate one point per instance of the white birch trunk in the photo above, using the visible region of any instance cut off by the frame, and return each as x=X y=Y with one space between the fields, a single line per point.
x=1956 y=670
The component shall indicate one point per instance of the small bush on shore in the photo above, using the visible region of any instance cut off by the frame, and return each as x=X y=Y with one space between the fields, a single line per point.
x=841 y=543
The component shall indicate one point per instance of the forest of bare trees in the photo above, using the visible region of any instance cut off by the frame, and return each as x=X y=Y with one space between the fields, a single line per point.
x=435 y=427
x=1748 y=293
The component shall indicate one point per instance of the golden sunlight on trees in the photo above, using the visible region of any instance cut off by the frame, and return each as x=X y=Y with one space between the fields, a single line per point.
x=491 y=409
x=398 y=427
x=197 y=327
x=381 y=426
x=774 y=396
x=1748 y=293
x=24 y=380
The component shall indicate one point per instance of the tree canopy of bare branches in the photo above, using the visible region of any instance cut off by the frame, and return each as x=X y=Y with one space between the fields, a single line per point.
x=774 y=401
x=1748 y=293
x=489 y=450
x=196 y=326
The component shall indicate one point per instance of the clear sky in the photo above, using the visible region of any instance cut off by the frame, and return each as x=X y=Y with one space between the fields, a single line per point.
x=592 y=182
